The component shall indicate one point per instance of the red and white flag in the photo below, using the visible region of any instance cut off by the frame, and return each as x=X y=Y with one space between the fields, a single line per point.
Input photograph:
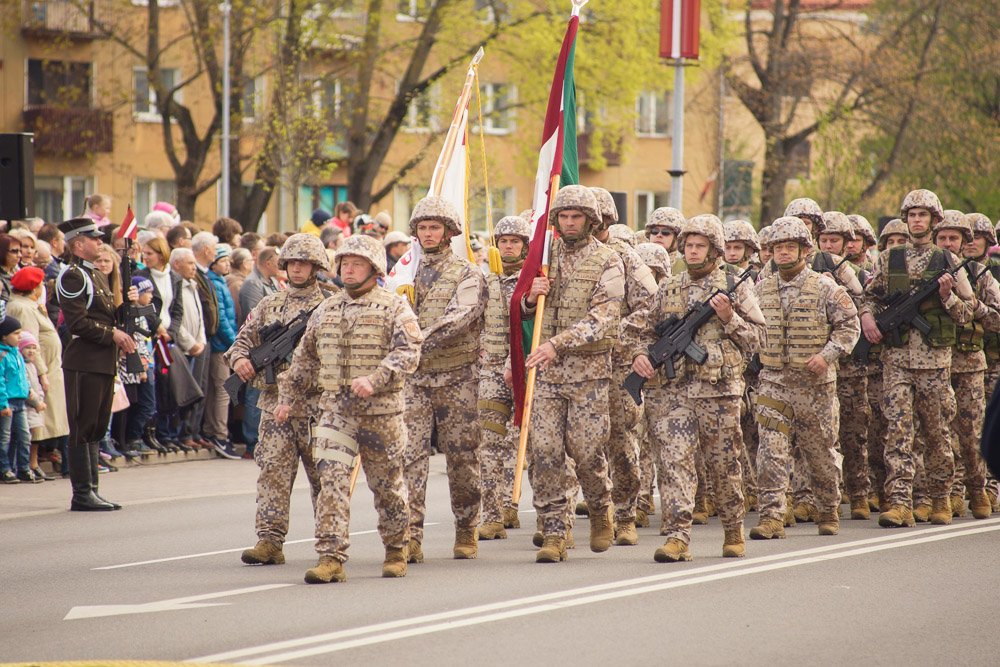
x=129 y=229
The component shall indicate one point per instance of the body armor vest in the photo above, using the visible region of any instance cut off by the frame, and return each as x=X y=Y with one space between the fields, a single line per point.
x=793 y=337
x=464 y=349
x=496 y=338
x=943 y=330
x=348 y=351
x=971 y=337
x=275 y=312
x=569 y=304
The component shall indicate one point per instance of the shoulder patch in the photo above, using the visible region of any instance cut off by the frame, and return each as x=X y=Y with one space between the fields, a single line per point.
x=843 y=299
x=412 y=329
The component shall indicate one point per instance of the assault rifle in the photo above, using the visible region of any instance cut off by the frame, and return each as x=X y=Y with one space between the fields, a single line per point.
x=676 y=340
x=277 y=343
x=128 y=313
x=903 y=308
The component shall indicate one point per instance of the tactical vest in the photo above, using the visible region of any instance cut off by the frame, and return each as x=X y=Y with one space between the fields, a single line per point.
x=823 y=263
x=569 y=304
x=464 y=349
x=496 y=335
x=943 y=330
x=971 y=337
x=724 y=358
x=793 y=337
x=274 y=311
x=991 y=339
x=348 y=351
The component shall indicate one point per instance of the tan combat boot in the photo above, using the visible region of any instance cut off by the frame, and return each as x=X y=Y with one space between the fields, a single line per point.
x=710 y=506
x=844 y=500
x=394 y=564
x=860 y=509
x=642 y=510
x=957 y=505
x=897 y=516
x=980 y=505
x=553 y=550
x=673 y=551
x=994 y=501
x=921 y=512
x=828 y=522
x=601 y=531
x=734 y=545
x=941 y=511
x=510 y=519
x=699 y=515
x=414 y=553
x=570 y=542
x=538 y=537
x=265 y=553
x=492 y=530
x=750 y=502
x=768 y=529
x=465 y=544
x=328 y=569
x=626 y=535
x=873 y=502
x=582 y=509
x=805 y=512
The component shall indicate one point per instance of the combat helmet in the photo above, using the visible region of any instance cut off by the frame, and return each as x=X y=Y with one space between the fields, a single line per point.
x=655 y=257
x=706 y=225
x=835 y=222
x=512 y=225
x=804 y=207
x=864 y=228
x=623 y=233
x=922 y=199
x=763 y=235
x=741 y=230
x=952 y=219
x=605 y=206
x=789 y=228
x=577 y=197
x=982 y=225
x=894 y=226
x=304 y=247
x=362 y=245
x=435 y=208
x=667 y=217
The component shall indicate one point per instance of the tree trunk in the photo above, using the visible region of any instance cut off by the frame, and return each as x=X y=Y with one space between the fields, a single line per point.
x=773 y=181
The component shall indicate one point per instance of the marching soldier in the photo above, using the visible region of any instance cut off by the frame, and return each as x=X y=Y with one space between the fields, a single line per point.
x=809 y=212
x=765 y=250
x=811 y=322
x=856 y=251
x=623 y=444
x=450 y=296
x=499 y=446
x=741 y=244
x=281 y=444
x=916 y=375
x=699 y=408
x=585 y=288
x=662 y=229
x=819 y=260
x=358 y=347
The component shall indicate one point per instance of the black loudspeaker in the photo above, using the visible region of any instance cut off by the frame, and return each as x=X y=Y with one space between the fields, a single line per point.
x=17 y=176
x=621 y=203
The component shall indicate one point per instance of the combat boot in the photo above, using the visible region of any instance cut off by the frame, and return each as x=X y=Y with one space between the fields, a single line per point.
x=710 y=506
x=601 y=531
x=734 y=545
x=844 y=500
x=699 y=515
x=896 y=516
x=957 y=506
x=768 y=529
x=538 y=537
x=994 y=500
x=328 y=569
x=465 y=544
x=789 y=520
x=570 y=542
x=643 y=508
x=828 y=522
x=626 y=535
x=582 y=509
x=492 y=530
x=980 y=505
x=941 y=511
x=553 y=550
x=394 y=564
x=750 y=502
x=673 y=551
x=265 y=553
x=510 y=519
x=414 y=554
x=860 y=509
x=921 y=512
x=873 y=502
x=805 y=512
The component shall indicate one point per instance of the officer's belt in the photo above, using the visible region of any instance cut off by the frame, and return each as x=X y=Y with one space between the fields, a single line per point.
x=339 y=438
x=771 y=423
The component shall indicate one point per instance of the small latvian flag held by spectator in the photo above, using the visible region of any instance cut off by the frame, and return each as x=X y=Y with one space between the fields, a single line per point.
x=129 y=228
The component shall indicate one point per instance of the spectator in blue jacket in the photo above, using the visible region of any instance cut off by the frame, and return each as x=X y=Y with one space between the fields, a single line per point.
x=15 y=439
x=217 y=400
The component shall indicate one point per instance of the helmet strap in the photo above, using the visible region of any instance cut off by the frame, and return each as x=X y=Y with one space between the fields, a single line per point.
x=354 y=288
x=308 y=283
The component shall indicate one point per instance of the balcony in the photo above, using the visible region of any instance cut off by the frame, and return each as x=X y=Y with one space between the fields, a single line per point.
x=69 y=131
x=612 y=156
x=48 y=18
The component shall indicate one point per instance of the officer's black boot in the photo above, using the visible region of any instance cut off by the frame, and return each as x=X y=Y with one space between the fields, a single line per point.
x=84 y=499
x=95 y=462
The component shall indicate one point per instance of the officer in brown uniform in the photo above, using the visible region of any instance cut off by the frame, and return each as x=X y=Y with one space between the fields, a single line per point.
x=359 y=347
x=700 y=407
x=499 y=446
x=450 y=297
x=282 y=445
x=585 y=288
x=811 y=322
x=90 y=359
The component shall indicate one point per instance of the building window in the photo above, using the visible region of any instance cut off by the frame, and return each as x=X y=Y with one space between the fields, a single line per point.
x=799 y=160
x=498 y=101
x=58 y=82
x=253 y=98
x=653 y=114
x=646 y=202
x=404 y=198
x=737 y=189
x=326 y=197
x=60 y=198
x=421 y=115
x=145 y=96
x=413 y=10
x=150 y=191
x=502 y=202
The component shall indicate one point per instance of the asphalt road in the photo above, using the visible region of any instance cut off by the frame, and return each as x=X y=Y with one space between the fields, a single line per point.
x=162 y=580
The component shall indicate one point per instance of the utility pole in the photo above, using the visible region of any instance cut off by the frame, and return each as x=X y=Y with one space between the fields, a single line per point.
x=226 y=10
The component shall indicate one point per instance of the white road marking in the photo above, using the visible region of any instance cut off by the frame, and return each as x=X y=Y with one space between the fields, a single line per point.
x=174 y=604
x=498 y=611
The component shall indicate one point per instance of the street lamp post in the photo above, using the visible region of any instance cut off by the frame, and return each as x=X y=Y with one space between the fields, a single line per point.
x=226 y=9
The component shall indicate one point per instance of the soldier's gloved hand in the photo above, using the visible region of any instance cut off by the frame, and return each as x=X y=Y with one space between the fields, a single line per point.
x=281 y=413
x=539 y=286
x=244 y=369
x=124 y=341
x=870 y=329
x=945 y=283
x=541 y=357
x=817 y=364
x=362 y=387
x=642 y=366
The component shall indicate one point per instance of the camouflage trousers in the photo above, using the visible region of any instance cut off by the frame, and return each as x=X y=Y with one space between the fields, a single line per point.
x=682 y=426
x=748 y=425
x=498 y=451
x=381 y=441
x=966 y=431
x=921 y=401
x=807 y=416
x=568 y=420
x=622 y=449
x=647 y=462
x=453 y=410
x=876 y=432
x=855 y=420
x=278 y=450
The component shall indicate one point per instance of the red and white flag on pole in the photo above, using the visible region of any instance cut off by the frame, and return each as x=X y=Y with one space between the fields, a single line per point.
x=129 y=228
